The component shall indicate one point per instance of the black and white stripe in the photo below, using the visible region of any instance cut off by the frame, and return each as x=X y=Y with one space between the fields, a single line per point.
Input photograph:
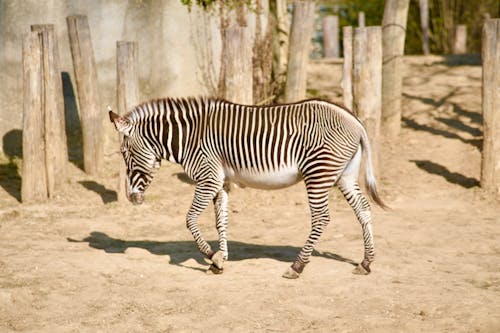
x=265 y=147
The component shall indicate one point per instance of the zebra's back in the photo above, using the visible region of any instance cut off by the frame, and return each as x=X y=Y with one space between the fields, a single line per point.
x=264 y=147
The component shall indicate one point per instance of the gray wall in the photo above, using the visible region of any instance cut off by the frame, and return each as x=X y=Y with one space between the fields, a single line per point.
x=179 y=52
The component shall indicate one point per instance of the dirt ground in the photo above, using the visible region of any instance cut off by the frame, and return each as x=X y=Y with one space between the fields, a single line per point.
x=84 y=263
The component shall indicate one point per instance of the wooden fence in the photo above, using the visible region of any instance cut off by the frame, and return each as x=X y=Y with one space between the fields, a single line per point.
x=371 y=70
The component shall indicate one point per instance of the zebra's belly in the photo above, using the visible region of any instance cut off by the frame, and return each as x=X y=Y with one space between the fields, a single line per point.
x=268 y=180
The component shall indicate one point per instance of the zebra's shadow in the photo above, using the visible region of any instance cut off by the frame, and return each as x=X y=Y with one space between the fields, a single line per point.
x=181 y=251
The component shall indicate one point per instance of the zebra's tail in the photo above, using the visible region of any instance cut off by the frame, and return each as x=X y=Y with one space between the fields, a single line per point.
x=370 y=181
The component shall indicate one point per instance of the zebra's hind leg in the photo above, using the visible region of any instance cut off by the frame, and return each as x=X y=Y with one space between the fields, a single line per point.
x=349 y=186
x=317 y=193
x=220 y=203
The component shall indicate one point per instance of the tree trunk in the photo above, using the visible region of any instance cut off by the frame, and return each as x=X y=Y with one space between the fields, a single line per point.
x=393 y=40
x=460 y=39
x=238 y=76
x=34 y=174
x=56 y=154
x=127 y=95
x=280 y=44
x=490 y=166
x=347 y=67
x=361 y=19
x=262 y=55
x=331 y=36
x=298 y=53
x=89 y=102
x=367 y=82
x=424 y=22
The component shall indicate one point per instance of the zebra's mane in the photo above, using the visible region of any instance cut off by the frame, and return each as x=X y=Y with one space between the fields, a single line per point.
x=149 y=109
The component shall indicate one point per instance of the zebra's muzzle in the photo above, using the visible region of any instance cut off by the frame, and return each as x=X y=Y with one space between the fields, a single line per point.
x=137 y=198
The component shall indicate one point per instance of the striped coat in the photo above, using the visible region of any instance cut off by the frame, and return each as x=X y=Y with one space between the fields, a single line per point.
x=264 y=147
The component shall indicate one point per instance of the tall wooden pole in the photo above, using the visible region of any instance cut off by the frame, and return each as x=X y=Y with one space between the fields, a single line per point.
x=280 y=43
x=331 y=36
x=238 y=76
x=393 y=42
x=127 y=94
x=460 y=39
x=367 y=82
x=56 y=155
x=424 y=23
x=91 y=110
x=361 y=19
x=298 y=53
x=490 y=166
x=347 y=67
x=34 y=174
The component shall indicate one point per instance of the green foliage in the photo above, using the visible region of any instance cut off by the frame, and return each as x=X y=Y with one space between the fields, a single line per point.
x=208 y=4
x=348 y=11
x=205 y=4
x=444 y=15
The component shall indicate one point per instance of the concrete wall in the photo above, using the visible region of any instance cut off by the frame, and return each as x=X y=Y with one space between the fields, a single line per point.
x=179 y=53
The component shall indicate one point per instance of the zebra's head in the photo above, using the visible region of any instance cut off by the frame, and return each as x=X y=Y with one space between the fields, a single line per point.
x=139 y=159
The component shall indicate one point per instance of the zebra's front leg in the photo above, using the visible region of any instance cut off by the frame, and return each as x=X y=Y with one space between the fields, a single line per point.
x=320 y=217
x=202 y=196
x=350 y=188
x=221 y=215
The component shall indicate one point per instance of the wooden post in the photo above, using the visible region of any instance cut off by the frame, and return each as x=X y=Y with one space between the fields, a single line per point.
x=367 y=82
x=361 y=19
x=238 y=76
x=91 y=111
x=280 y=43
x=34 y=174
x=347 y=67
x=127 y=95
x=424 y=23
x=460 y=39
x=262 y=56
x=393 y=43
x=298 y=53
x=56 y=154
x=331 y=36
x=490 y=166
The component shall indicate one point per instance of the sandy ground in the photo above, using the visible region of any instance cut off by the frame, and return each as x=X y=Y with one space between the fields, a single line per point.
x=85 y=263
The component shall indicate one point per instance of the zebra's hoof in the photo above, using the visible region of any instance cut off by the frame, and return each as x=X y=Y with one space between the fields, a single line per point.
x=218 y=260
x=214 y=270
x=361 y=270
x=290 y=273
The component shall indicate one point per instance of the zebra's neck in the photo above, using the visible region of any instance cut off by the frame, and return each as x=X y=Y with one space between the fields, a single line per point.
x=167 y=125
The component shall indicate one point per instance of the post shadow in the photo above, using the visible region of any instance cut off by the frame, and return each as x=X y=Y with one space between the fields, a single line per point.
x=181 y=251
x=468 y=59
x=431 y=101
x=107 y=196
x=451 y=177
x=10 y=178
x=478 y=143
x=73 y=125
x=460 y=126
x=474 y=117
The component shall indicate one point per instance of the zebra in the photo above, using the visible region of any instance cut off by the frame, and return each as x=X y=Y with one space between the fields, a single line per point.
x=268 y=147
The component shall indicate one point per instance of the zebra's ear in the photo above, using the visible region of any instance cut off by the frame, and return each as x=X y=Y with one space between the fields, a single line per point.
x=122 y=125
